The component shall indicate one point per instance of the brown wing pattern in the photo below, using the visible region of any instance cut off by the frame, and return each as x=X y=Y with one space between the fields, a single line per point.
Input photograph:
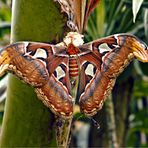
x=118 y=52
x=35 y=64
x=14 y=58
x=45 y=67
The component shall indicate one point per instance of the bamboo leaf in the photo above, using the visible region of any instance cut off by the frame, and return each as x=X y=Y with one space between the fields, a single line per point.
x=146 y=23
x=136 y=7
x=100 y=18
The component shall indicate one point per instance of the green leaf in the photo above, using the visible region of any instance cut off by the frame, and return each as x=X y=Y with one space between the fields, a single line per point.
x=100 y=18
x=140 y=88
x=146 y=23
x=136 y=7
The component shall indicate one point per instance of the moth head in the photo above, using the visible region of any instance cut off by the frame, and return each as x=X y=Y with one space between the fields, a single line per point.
x=74 y=38
x=140 y=50
x=4 y=62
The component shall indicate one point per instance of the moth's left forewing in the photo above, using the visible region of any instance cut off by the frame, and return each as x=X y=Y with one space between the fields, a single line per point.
x=17 y=59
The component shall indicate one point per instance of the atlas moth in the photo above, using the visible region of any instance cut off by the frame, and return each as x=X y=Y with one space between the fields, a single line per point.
x=53 y=69
x=72 y=70
x=90 y=69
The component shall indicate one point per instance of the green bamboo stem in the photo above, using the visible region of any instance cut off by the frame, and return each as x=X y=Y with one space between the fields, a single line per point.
x=27 y=122
x=112 y=136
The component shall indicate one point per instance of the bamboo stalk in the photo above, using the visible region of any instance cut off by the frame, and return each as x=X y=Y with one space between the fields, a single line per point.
x=111 y=125
x=27 y=122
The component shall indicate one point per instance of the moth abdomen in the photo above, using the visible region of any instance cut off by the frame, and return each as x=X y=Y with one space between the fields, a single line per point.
x=73 y=67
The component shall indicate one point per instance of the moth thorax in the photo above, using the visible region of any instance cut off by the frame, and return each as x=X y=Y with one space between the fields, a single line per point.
x=72 y=50
x=74 y=38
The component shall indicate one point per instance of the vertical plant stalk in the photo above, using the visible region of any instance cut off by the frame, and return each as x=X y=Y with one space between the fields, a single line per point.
x=122 y=98
x=63 y=129
x=112 y=137
x=27 y=122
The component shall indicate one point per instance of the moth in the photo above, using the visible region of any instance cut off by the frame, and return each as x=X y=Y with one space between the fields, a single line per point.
x=90 y=68
x=52 y=69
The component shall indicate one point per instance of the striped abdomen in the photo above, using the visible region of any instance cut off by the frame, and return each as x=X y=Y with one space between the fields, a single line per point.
x=73 y=67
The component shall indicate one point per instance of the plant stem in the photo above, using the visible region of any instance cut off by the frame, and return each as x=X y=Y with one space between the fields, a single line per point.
x=111 y=123
x=64 y=131
x=27 y=122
